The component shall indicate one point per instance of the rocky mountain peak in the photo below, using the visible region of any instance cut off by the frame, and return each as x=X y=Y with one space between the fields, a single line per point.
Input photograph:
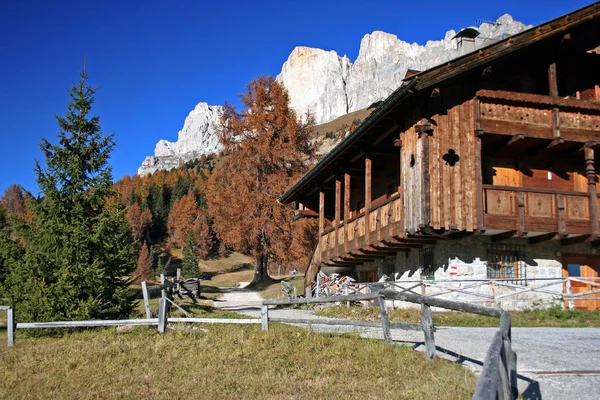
x=328 y=85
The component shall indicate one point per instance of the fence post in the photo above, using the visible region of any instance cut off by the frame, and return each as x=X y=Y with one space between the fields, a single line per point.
x=163 y=292
x=146 y=301
x=570 y=295
x=427 y=322
x=10 y=330
x=385 y=321
x=264 y=316
x=162 y=315
x=178 y=279
x=346 y=292
x=318 y=287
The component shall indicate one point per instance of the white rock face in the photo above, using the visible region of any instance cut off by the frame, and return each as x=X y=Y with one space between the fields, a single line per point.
x=316 y=81
x=328 y=86
x=320 y=81
x=197 y=137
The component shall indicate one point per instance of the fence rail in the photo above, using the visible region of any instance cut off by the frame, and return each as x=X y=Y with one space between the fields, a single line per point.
x=496 y=291
x=166 y=289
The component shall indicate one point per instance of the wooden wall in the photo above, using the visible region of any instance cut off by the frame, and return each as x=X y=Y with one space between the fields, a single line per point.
x=448 y=189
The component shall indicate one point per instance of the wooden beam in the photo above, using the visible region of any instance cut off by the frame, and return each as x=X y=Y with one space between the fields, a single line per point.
x=478 y=166
x=368 y=176
x=575 y=240
x=542 y=238
x=520 y=199
x=503 y=236
x=321 y=212
x=590 y=172
x=515 y=138
x=552 y=80
x=338 y=211
x=346 y=209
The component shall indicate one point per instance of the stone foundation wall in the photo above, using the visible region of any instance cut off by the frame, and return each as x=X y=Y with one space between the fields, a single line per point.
x=459 y=264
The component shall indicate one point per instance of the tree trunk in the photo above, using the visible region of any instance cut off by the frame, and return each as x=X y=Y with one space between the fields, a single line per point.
x=261 y=273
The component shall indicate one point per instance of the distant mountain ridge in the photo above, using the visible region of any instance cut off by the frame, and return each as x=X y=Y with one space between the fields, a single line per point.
x=328 y=85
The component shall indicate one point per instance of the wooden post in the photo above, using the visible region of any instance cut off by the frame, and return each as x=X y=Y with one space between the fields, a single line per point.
x=162 y=315
x=552 y=81
x=478 y=167
x=368 y=174
x=146 y=301
x=264 y=316
x=163 y=292
x=427 y=322
x=570 y=294
x=590 y=172
x=338 y=212
x=520 y=199
x=178 y=279
x=346 y=209
x=346 y=293
x=10 y=326
x=385 y=321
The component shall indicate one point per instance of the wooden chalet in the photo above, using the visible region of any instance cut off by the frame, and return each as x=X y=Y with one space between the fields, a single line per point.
x=492 y=155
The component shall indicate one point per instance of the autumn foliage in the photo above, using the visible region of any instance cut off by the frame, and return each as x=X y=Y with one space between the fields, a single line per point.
x=267 y=149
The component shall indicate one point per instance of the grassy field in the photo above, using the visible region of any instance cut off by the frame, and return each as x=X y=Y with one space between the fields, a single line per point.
x=226 y=362
x=555 y=317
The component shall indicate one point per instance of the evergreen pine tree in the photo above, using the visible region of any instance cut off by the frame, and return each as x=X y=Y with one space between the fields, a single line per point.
x=190 y=258
x=78 y=246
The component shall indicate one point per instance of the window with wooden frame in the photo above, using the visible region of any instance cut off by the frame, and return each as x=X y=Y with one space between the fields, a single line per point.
x=506 y=261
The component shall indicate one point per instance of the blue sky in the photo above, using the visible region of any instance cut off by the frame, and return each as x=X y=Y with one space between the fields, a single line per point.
x=153 y=61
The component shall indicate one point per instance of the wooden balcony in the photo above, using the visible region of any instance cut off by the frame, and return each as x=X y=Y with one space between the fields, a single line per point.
x=537 y=210
x=349 y=243
x=538 y=116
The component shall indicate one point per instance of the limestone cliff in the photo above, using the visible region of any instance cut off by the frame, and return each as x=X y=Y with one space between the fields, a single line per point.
x=328 y=86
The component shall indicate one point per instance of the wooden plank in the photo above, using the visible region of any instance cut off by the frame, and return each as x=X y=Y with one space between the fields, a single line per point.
x=4 y=308
x=193 y=320
x=368 y=193
x=87 y=324
x=330 y=299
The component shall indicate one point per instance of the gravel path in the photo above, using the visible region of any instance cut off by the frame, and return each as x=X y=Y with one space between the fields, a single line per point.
x=238 y=299
x=552 y=363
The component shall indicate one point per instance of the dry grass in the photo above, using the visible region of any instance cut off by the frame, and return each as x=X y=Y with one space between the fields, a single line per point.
x=555 y=317
x=227 y=362
x=225 y=264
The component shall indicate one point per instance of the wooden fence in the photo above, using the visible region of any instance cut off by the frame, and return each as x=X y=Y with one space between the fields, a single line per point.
x=498 y=379
x=166 y=289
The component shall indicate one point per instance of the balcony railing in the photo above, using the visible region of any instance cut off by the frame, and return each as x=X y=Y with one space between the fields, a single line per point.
x=536 y=210
x=384 y=223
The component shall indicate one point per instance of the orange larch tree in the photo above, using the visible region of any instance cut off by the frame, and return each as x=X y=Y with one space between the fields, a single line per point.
x=267 y=148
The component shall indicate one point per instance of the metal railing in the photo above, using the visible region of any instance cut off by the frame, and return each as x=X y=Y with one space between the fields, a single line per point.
x=501 y=292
